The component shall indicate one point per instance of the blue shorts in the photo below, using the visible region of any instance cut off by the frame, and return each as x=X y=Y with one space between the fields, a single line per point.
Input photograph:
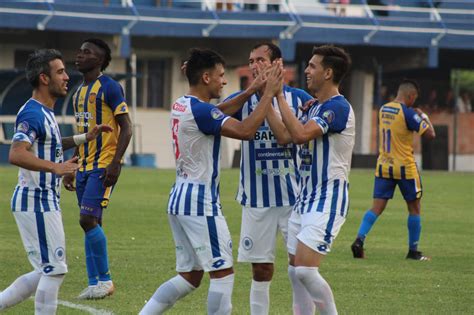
x=92 y=196
x=411 y=189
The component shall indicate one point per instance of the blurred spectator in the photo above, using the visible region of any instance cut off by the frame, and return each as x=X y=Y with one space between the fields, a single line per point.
x=450 y=102
x=463 y=103
x=164 y=3
x=433 y=101
x=339 y=9
x=379 y=3
x=224 y=5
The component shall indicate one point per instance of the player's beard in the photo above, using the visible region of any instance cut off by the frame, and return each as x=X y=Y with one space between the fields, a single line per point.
x=57 y=91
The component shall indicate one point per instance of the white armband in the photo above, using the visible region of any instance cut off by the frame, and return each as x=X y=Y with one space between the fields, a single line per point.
x=80 y=139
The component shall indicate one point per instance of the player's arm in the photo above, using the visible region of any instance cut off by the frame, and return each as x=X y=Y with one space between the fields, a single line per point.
x=112 y=171
x=300 y=133
x=21 y=156
x=68 y=179
x=427 y=133
x=76 y=140
x=233 y=105
x=245 y=129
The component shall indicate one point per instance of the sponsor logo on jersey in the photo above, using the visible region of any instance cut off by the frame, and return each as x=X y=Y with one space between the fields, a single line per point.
x=23 y=127
x=123 y=109
x=272 y=154
x=392 y=110
x=92 y=97
x=179 y=107
x=217 y=114
x=329 y=116
x=32 y=135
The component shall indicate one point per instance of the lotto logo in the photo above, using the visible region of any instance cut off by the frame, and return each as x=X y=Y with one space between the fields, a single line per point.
x=48 y=269
x=322 y=248
x=218 y=263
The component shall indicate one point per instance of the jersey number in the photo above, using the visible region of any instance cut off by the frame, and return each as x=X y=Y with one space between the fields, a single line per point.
x=386 y=138
x=174 y=131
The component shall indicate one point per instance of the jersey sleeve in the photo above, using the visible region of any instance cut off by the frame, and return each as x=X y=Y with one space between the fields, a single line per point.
x=414 y=121
x=209 y=118
x=28 y=127
x=332 y=117
x=115 y=98
x=238 y=114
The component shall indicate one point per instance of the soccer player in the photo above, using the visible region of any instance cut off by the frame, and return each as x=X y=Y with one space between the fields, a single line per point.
x=396 y=166
x=98 y=100
x=37 y=148
x=326 y=133
x=267 y=187
x=200 y=232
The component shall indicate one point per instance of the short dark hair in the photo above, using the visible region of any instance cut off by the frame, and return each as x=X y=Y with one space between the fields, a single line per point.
x=200 y=60
x=335 y=58
x=411 y=84
x=105 y=48
x=275 y=51
x=38 y=63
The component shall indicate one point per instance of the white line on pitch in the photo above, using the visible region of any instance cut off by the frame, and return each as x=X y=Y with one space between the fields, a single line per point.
x=89 y=309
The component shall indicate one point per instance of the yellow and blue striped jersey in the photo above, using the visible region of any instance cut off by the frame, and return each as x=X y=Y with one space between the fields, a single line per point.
x=397 y=125
x=94 y=104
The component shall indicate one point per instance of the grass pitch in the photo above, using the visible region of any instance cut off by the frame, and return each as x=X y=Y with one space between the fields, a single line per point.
x=141 y=249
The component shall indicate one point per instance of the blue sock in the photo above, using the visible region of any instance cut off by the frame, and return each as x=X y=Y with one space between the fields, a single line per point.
x=366 y=224
x=98 y=245
x=92 y=272
x=414 y=231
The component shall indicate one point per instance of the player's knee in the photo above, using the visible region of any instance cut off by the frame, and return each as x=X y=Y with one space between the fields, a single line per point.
x=193 y=277
x=87 y=223
x=304 y=273
x=262 y=272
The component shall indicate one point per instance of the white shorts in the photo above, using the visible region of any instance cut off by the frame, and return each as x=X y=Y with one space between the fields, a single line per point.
x=202 y=243
x=317 y=230
x=42 y=234
x=259 y=232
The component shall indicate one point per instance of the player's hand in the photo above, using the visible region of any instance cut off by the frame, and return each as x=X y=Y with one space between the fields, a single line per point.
x=259 y=82
x=68 y=182
x=275 y=78
x=97 y=130
x=306 y=106
x=111 y=174
x=66 y=168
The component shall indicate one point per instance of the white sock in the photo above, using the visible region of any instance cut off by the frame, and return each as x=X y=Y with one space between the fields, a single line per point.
x=302 y=302
x=318 y=288
x=219 y=298
x=167 y=295
x=259 y=297
x=46 y=298
x=21 y=289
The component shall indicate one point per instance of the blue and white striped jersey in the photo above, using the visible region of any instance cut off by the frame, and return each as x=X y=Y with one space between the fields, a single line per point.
x=38 y=191
x=268 y=174
x=325 y=161
x=196 y=128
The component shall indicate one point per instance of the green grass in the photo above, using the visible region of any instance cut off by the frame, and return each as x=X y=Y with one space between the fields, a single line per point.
x=142 y=253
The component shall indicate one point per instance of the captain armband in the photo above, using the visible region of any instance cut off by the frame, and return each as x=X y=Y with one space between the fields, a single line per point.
x=79 y=139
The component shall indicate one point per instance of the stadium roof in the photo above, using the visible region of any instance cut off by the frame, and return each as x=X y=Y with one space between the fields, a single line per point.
x=298 y=22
